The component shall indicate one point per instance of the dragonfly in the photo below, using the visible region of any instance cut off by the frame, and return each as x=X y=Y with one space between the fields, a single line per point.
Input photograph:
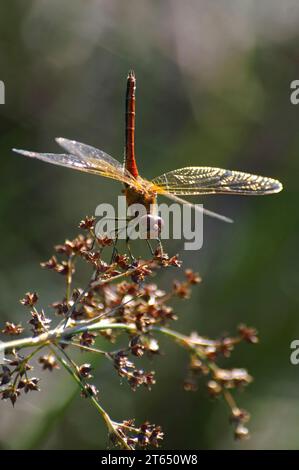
x=187 y=181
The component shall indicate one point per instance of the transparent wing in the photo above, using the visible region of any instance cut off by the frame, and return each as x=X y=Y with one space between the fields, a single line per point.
x=87 y=151
x=84 y=158
x=198 y=208
x=207 y=180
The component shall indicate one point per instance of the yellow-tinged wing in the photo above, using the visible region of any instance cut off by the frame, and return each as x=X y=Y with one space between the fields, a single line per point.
x=85 y=158
x=208 y=180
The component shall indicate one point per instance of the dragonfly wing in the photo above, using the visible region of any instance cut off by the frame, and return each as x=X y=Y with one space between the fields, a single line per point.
x=63 y=159
x=199 y=208
x=103 y=160
x=208 y=180
x=82 y=162
x=87 y=151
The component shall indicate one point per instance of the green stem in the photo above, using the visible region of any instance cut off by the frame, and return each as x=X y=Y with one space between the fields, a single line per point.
x=73 y=372
x=53 y=336
x=66 y=333
x=85 y=348
x=69 y=280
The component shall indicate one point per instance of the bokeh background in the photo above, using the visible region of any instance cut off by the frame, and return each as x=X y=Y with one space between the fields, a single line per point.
x=213 y=89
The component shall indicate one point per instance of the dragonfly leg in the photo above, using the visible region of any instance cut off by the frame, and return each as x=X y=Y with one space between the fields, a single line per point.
x=150 y=247
x=160 y=245
x=115 y=233
x=129 y=249
x=114 y=250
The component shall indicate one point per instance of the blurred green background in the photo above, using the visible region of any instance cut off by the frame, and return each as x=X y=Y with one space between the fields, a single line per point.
x=213 y=88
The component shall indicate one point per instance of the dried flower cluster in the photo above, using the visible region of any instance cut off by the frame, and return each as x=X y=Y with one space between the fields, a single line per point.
x=119 y=299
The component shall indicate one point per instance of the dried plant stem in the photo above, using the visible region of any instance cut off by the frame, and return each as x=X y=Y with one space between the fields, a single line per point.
x=128 y=273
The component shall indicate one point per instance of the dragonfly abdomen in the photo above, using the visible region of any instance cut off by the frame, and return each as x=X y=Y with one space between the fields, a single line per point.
x=130 y=162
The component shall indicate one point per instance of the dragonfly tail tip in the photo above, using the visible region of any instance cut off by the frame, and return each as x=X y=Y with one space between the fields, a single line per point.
x=131 y=73
x=224 y=219
x=26 y=153
x=16 y=150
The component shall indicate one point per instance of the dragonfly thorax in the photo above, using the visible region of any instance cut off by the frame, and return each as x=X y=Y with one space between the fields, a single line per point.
x=146 y=198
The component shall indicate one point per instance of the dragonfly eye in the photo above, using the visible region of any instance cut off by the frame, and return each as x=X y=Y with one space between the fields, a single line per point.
x=151 y=225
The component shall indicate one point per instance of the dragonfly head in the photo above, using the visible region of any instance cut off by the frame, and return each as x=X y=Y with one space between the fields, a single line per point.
x=151 y=225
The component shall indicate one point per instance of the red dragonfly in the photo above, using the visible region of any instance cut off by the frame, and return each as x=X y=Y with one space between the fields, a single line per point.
x=192 y=180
